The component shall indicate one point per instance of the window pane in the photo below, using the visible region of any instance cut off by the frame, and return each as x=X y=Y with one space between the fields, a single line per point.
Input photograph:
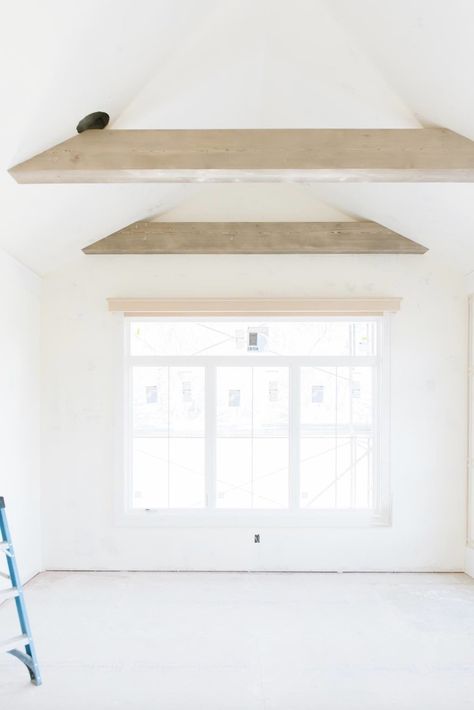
x=362 y=397
x=363 y=494
x=336 y=398
x=150 y=473
x=186 y=459
x=150 y=400
x=336 y=462
x=186 y=401
x=234 y=401
x=270 y=472
x=321 y=337
x=252 y=443
x=168 y=449
x=270 y=401
x=318 y=400
x=364 y=338
x=234 y=473
x=252 y=473
x=317 y=472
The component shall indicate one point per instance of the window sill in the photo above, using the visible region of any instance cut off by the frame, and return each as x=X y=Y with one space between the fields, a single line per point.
x=260 y=518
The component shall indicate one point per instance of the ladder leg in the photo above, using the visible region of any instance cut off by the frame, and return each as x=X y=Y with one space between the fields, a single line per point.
x=29 y=656
x=31 y=666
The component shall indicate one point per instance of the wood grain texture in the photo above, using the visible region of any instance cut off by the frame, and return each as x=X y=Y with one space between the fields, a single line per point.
x=253 y=155
x=233 y=307
x=255 y=238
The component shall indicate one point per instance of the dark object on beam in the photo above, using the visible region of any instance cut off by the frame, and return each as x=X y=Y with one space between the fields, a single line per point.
x=96 y=120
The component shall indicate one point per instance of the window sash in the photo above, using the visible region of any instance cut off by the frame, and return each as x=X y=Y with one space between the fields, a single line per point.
x=293 y=363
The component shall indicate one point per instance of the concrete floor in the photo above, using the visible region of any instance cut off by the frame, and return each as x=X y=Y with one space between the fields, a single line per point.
x=221 y=641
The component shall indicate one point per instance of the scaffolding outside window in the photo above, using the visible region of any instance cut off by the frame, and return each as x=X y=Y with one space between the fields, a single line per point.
x=276 y=414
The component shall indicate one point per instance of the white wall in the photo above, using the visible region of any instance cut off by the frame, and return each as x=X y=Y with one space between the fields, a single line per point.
x=20 y=409
x=82 y=380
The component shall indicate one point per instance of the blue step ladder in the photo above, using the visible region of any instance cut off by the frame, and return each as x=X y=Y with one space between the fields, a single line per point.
x=15 y=645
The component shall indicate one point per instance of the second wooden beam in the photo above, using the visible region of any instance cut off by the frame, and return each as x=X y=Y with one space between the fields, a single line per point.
x=255 y=238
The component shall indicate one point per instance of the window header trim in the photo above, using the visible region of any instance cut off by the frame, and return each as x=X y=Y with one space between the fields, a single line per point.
x=244 y=307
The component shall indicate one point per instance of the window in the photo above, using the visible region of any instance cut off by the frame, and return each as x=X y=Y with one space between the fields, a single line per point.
x=235 y=415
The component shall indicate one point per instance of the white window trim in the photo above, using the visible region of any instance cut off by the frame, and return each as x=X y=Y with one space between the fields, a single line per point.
x=470 y=427
x=293 y=516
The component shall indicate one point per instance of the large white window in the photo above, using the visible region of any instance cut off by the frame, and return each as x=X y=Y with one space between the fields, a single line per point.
x=280 y=414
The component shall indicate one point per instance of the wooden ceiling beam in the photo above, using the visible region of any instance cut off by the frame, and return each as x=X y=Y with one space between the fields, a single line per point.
x=254 y=155
x=255 y=238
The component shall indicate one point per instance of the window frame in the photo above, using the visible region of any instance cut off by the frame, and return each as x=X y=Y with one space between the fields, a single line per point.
x=293 y=516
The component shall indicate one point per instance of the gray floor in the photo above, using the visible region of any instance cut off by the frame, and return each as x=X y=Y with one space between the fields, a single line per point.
x=246 y=641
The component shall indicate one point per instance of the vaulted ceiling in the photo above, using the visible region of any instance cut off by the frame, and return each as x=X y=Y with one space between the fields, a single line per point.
x=231 y=64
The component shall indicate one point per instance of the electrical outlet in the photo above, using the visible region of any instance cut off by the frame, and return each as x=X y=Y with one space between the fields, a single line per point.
x=256 y=537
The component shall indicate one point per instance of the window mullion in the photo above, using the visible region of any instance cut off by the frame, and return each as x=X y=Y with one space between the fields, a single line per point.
x=381 y=423
x=210 y=435
x=169 y=423
x=374 y=485
x=294 y=436
x=128 y=424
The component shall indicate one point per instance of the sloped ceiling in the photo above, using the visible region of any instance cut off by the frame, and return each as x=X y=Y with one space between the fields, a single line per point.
x=242 y=63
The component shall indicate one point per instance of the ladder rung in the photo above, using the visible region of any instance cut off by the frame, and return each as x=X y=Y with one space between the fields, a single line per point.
x=15 y=642
x=8 y=594
x=5 y=546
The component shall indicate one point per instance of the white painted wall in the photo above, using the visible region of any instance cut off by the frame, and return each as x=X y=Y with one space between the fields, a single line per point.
x=82 y=380
x=20 y=409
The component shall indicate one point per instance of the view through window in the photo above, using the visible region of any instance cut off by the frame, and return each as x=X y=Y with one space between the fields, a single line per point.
x=233 y=414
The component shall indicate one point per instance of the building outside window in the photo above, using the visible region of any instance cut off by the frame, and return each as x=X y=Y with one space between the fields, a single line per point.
x=283 y=414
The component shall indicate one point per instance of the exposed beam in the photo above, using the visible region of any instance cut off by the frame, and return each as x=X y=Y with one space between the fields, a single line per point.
x=253 y=155
x=255 y=238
